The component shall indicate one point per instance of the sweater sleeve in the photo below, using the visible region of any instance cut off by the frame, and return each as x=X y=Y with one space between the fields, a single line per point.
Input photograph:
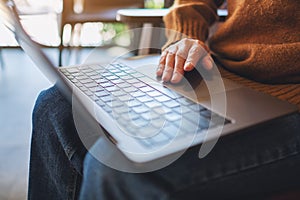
x=190 y=18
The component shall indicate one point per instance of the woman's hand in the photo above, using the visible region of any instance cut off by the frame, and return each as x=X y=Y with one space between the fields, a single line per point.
x=183 y=56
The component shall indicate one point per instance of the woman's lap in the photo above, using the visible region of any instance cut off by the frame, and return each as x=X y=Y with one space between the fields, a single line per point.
x=262 y=158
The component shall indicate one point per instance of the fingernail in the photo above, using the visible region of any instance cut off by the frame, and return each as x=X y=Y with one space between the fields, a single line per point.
x=188 y=66
x=164 y=78
x=158 y=72
x=176 y=78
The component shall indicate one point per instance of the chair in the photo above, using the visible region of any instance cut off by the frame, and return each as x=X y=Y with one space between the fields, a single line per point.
x=34 y=13
x=82 y=11
x=149 y=18
x=28 y=9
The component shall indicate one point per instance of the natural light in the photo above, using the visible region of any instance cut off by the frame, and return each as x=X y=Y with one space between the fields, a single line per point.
x=40 y=19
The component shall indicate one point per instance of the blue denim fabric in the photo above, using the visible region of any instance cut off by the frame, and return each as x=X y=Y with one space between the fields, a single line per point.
x=253 y=163
x=56 y=150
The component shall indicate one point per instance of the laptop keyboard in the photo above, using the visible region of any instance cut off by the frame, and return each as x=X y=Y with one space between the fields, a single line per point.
x=151 y=113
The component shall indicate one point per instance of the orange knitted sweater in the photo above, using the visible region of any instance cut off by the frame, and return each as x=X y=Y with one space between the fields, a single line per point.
x=259 y=40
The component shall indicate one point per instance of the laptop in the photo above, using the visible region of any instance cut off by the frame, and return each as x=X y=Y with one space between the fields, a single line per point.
x=145 y=118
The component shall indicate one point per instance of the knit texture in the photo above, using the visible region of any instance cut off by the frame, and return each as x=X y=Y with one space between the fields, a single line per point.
x=260 y=39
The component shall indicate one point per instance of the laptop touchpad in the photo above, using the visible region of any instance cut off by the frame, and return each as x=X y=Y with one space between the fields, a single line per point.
x=195 y=85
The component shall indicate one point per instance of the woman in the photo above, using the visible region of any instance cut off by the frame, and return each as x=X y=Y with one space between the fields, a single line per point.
x=259 y=40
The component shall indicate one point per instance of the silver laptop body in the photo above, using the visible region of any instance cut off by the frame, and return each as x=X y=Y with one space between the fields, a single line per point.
x=145 y=118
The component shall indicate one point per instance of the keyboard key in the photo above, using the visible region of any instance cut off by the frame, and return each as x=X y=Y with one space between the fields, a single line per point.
x=101 y=80
x=129 y=116
x=117 y=81
x=78 y=84
x=106 y=74
x=170 y=130
x=158 y=122
x=130 y=89
x=91 y=85
x=91 y=73
x=107 y=109
x=83 y=88
x=139 y=85
x=153 y=104
x=89 y=93
x=107 y=84
x=139 y=122
x=147 y=132
x=124 y=98
x=131 y=81
x=118 y=93
x=144 y=99
x=149 y=116
x=85 y=81
x=159 y=139
x=145 y=142
x=162 y=98
x=72 y=70
x=116 y=103
x=133 y=103
x=101 y=93
x=86 y=69
x=182 y=109
x=100 y=102
x=154 y=93
x=138 y=94
x=120 y=110
x=162 y=110
x=70 y=77
x=124 y=85
x=95 y=77
x=112 y=77
x=112 y=89
x=140 y=109
x=172 y=104
x=74 y=81
x=82 y=77
x=121 y=73
x=114 y=70
x=172 y=116
x=147 y=89
x=107 y=98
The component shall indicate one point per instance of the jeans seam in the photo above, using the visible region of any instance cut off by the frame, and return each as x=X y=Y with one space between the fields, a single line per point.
x=72 y=187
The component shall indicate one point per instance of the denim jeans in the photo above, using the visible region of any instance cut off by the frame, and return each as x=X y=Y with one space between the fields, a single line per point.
x=253 y=163
x=57 y=153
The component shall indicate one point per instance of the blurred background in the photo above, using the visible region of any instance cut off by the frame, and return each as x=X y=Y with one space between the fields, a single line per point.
x=21 y=81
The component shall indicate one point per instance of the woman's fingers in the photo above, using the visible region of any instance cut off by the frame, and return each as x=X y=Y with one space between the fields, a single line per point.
x=196 y=52
x=207 y=62
x=161 y=65
x=178 y=68
x=180 y=57
x=169 y=66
